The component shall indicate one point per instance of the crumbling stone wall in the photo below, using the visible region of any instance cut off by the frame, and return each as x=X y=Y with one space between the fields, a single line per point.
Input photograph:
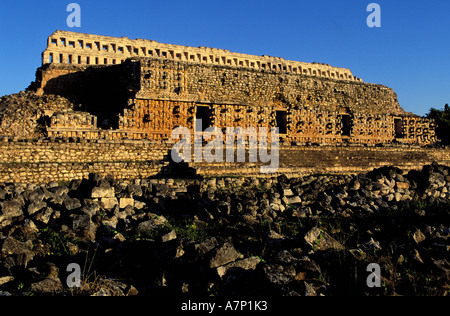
x=149 y=94
x=73 y=124
x=167 y=79
x=54 y=161
x=86 y=49
x=172 y=92
x=25 y=114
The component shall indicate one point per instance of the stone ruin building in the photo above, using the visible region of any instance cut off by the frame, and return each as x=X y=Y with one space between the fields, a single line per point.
x=142 y=89
x=109 y=106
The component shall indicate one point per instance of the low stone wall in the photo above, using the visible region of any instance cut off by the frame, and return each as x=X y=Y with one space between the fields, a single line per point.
x=360 y=159
x=46 y=161
x=54 y=161
x=296 y=160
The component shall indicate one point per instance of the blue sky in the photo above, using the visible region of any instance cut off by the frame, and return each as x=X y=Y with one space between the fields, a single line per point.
x=409 y=53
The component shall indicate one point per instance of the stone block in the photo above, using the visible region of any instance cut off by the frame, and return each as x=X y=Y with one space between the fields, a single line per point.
x=11 y=209
x=124 y=202
x=402 y=185
x=102 y=192
x=224 y=255
x=109 y=203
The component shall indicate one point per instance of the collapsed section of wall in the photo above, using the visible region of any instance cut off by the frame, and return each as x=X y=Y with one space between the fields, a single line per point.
x=102 y=91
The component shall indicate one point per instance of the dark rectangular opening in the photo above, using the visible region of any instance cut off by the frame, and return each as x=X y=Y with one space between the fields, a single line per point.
x=346 y=125
x=399 y=128
x=281 y=118
x=202 y=118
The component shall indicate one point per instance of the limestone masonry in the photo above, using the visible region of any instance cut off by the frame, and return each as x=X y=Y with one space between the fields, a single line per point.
x=144 y=89
x=109 y=105
x=85 y=49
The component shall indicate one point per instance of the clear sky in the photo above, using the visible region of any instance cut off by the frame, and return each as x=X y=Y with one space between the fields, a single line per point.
x=410 y=52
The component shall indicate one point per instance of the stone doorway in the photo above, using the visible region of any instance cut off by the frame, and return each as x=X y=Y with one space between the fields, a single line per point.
x=202 y=118
x=398 y=125
x=346 y=123
x=281 y=120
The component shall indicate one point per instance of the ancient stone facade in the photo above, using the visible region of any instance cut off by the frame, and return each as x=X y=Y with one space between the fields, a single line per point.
x=86 y=49
x=150 y=88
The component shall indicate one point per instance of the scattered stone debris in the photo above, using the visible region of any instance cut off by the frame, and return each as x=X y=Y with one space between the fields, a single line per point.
x=301 y=236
